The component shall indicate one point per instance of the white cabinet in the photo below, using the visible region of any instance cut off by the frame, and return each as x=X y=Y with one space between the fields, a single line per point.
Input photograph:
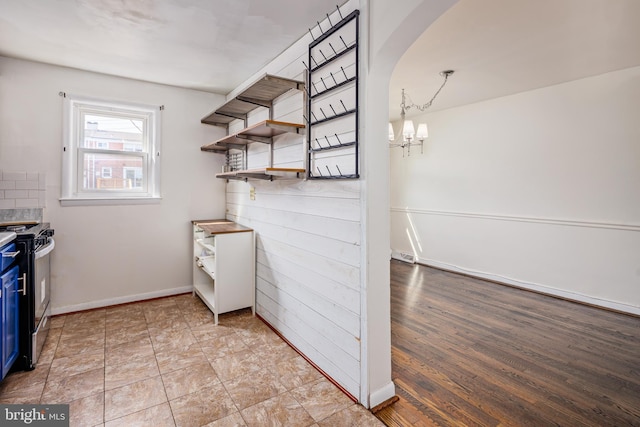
x=224 y=265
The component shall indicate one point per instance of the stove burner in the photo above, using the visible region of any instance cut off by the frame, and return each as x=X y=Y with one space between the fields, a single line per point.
x=16 y=227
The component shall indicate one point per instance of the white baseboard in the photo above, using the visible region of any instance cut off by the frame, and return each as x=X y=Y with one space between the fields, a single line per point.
x=382 y=394
x=574 y=296
x=120 y=300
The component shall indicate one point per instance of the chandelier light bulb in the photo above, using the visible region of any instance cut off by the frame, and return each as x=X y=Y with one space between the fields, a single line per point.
x=423 y=132
x=408 y=130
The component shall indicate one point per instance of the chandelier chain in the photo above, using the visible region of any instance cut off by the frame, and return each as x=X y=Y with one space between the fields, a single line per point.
x=428 y=104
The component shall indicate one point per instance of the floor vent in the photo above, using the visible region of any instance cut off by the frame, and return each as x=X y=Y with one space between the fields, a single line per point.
x=410 y=258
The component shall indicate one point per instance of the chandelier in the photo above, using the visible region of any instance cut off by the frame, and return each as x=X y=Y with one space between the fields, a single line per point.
x=409 y=133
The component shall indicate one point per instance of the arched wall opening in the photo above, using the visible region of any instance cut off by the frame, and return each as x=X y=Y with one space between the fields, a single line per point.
x=392 y=28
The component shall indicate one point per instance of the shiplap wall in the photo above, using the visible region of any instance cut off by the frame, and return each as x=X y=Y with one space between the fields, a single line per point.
x=308 y=239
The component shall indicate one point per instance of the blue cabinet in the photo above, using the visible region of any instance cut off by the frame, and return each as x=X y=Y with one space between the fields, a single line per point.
x=9 y=305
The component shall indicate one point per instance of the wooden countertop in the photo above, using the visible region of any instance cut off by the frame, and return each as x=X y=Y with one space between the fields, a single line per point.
x=220 y=226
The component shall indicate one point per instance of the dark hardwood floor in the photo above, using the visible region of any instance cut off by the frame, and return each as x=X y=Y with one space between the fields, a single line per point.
x=471 y=352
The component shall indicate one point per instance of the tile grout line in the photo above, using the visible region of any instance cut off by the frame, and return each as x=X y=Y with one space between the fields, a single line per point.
x=161 y=377
x=214 y=370
x=44 y=386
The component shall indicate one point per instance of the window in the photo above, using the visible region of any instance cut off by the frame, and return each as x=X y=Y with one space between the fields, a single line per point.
x=132 y=176
x=111 y=152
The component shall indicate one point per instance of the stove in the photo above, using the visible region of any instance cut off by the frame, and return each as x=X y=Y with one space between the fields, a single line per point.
x=35 y=242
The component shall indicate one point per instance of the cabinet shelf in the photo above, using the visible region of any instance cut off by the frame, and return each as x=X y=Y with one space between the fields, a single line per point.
x=207 y=264
x=206 y=294
x=261 y=93
x=268 y=174
x=262 y=132
x=207 y=246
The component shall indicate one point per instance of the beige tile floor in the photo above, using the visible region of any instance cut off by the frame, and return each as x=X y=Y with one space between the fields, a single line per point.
x=164 y=363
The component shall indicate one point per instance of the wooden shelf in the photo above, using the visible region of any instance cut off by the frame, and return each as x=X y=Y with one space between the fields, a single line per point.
x=220 y=226
x=268 y=174
x=260 y=132
x=261 y=93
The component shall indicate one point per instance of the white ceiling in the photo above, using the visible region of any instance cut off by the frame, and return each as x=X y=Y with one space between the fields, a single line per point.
x=211 y=45
x=496 y=47
x=502 y=47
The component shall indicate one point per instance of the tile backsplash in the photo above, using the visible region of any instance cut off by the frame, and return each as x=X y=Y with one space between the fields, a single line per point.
x=22 y=190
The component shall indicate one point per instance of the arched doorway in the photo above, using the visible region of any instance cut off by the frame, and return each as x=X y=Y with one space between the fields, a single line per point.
x=392 y=28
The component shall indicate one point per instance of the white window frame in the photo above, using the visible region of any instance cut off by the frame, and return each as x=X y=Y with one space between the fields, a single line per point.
x=106 y=172
x=73 y=152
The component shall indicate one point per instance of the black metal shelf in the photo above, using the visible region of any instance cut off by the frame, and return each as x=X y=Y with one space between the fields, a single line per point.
x=333 y=147
x=337 y=116
x=337 y=78
x=336 y=56
x=346 y=176
x=334 y=87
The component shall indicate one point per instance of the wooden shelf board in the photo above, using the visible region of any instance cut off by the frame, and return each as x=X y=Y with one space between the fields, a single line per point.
x=260 y=93
x=261 y=130
x=223 y=227
x=212 y=148
x=263 y=173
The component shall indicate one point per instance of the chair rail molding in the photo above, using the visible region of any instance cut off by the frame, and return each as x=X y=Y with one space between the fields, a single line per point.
x=539 y=220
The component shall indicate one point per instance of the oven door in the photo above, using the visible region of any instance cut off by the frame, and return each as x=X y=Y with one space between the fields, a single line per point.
x=42 y=294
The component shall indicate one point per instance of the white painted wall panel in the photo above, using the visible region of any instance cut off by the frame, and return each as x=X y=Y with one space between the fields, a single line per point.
x=334 y=228
x=300 y=319
x=336 y=270
x=294 y=332
x=316 y=287
x=309 y=306
x=332 y=207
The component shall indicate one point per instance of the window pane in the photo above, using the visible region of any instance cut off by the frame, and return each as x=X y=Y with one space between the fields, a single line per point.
x=106 y=172
x=113 y=133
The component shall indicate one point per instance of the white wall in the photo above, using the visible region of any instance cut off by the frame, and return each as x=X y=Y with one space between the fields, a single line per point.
x=110 y=254
x=538 y=189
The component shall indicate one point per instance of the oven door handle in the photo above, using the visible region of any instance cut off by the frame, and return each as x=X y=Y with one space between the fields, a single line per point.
x=10 y=254
x=46 y=249
x=23 y=291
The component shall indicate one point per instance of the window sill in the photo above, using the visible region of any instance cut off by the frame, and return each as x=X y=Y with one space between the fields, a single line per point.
x=105 y=201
